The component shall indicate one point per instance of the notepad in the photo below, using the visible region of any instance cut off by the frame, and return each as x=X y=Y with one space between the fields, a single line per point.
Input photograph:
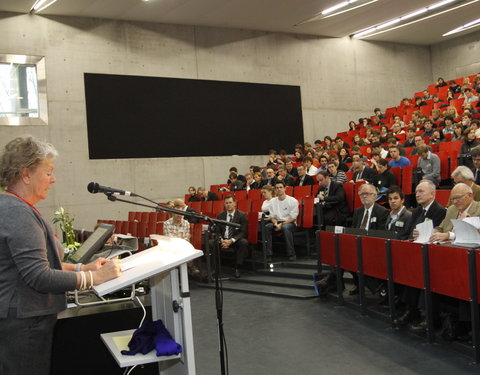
x=425 y=231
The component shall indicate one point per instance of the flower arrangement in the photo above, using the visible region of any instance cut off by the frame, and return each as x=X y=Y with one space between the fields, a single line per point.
x=66 y=225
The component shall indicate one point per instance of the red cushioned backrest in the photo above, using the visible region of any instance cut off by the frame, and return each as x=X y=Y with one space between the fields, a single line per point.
x=327 y=248
x=308 y=208
x=407 y=263
x=252 y=227
x=197 y=206
x=449 y=271
x=349 y=191
x=240 y=194
x=205 y=206
x=374 y=257
x=254 y=194
x=302 y=191
x=348 y=252
x=244 y=205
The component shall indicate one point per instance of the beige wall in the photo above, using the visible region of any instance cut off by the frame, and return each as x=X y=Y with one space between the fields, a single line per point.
x=340 y=79
x=456 y=58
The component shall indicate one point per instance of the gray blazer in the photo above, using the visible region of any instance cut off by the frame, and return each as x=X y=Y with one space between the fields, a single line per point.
x=31 y=279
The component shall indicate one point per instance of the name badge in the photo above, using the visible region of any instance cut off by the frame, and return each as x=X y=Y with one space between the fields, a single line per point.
x=399 y=224
x=373 y=220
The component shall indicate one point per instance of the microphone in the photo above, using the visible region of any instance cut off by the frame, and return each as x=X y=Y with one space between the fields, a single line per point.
x=94 y=187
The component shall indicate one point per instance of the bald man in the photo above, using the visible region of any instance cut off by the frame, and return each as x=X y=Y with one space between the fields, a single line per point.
x=179 y=204
x=463 y=206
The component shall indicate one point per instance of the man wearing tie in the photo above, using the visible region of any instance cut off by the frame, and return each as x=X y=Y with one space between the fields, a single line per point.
x=362 y=172
x=235 y=238
x=332 y=200
x=428 y=208
x=303 y=178
x=475 y=152
x=371 y=215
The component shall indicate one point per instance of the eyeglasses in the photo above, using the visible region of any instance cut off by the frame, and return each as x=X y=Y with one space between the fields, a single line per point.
x=458 y=197
x=365 y=194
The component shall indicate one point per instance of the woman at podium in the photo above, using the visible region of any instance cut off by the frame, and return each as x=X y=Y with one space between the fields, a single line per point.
x=33 y=278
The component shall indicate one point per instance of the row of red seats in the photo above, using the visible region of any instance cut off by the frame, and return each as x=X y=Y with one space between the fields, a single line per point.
x=446 y=270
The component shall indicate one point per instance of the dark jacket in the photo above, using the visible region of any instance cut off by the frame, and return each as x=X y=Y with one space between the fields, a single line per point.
x=385 y=179
x=308 y=180
x=378 y=218
x=401 y=226
x=211 y=196
x=238 y=217
x=335 y=199
x=436 y=213
x=368 y=174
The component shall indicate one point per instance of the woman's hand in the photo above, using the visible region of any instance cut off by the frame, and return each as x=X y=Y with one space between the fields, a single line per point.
x=95 y=265
x=109 y=270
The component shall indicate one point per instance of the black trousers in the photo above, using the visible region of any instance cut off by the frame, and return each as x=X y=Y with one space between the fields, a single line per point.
x=239 y=247
x=26 y=344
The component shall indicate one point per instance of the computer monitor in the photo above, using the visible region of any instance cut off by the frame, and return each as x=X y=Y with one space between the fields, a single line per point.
x=93 y=243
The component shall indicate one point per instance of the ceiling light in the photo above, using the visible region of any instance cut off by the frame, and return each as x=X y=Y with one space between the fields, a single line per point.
x=440 y=4
x=335 y=7
x=41 y=5
x=464 y=27
x=414 y=16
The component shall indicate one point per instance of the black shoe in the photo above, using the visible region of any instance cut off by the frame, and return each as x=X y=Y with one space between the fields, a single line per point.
x=419 y=327
x=404 y=319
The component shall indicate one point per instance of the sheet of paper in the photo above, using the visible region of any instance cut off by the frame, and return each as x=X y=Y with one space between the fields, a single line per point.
x=425 y=230
x=465 y=232
x=475 y=221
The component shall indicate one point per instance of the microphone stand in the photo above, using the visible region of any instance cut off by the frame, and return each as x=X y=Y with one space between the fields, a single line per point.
x=214 y=228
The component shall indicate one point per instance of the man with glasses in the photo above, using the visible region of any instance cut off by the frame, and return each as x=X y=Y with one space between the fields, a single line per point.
x=283 y=215
x=463 y=174
x=463 y=206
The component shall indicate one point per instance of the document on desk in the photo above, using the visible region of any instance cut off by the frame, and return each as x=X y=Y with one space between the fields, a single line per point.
x=474 y=220
x=465 y=232
x=425 y=231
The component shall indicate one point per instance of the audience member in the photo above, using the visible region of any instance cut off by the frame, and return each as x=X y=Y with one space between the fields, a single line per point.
x=283 y=215
x=469 y=97
x=239 y=176
x=339 y=141
x=332 y=200
x=268 y=192
x=437 y=137
x=399 y=220
x=206 y=195
x=309 y=167
x=335 y=174
x=469 y=142
x=464 y=175
x=397 y=160
x=303 y=178
x=284 y=176
x=362 y=172
x=235 y=183
x=291 y=169
x=384 y=178
x=429 y=164
x=193 y=197
x=235 y=238
x=270 y=179
x=419 y=142
x=179 y=204
x=475 y=152
x=410 y=141
x=457 y=133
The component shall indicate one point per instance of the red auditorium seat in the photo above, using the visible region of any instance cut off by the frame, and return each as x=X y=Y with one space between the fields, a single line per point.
x=244 y=205
x=407 y=261
x=302 y=191
x=349 y=194
x=442 y=197
x=374 y=257
x=254 y=194
x=206 y=206
x=257 y=205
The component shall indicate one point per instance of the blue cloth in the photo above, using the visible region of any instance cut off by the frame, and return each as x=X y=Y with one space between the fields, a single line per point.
x=401 y=163
x=152 y=335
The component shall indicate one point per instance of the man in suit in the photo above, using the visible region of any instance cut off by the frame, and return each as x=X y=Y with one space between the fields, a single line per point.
x=332 y=200
x=291 y=169
x=234 y=238
x=179 y=204
x=463 y=206
x=303 y=178
x=475 y=152
x=235 y=183
x=371 y=215
x=399 y=219
x=284 y=176
x=428 y=208
x=463 y=174
x=362 y=172
x=206 y=195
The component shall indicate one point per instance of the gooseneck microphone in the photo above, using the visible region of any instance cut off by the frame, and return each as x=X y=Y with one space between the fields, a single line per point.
x=94 y=187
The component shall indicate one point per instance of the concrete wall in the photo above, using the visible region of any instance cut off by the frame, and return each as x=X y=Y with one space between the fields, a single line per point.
x=456 y=58
x=340 y=79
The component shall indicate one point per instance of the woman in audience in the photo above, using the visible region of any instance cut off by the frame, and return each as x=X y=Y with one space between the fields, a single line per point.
x=440 y=82
x=469 y=142
x=452 y=111
x=469 y=107
x=335 y=174
x=474 y=126
x=385 y=177
x=328 y=143
x=352 y=125
x=384 y=133
x=193 y=197
x=311 y=154
x=344 y=156
x=374 y=159
x=457 y=132
x=476 y=84
x=436 y=115
x=268 y=193
x=298 y=157
x=257 y=184
x=358 y=141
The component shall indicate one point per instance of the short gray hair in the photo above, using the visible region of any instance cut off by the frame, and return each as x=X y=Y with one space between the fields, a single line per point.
x=463 y=171
x=23 y=152
x=430 y=184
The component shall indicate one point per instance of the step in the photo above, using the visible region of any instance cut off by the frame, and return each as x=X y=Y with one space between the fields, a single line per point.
x=287 y=282
x=279 y=270
x=266 y=290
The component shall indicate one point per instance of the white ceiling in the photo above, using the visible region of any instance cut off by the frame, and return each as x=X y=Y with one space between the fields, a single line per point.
x=268 y=15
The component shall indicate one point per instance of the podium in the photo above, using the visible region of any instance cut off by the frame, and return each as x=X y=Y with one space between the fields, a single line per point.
x=165 y=265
